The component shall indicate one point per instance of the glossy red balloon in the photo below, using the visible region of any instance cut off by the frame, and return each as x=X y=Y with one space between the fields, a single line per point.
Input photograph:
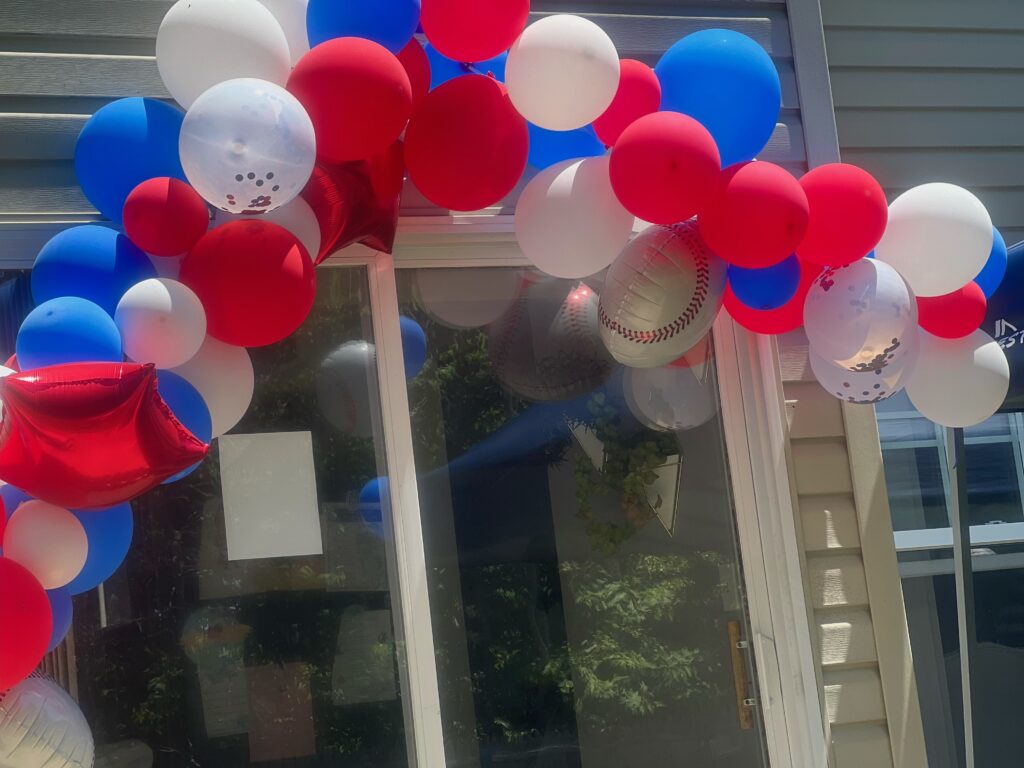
x=357 y=202
x=466 y=145
x=953 y=315
x=26 y=623
x=255 y=279
x=473 y=30
x=784 y=319
x=417 y=67
x=664 y=167
x=90 y=435
x=639 y=94
x=165 y=216
x=757 y=215
x=848 y=214
x=357 y=94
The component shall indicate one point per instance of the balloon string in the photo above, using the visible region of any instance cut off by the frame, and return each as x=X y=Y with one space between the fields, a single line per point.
x=472 y=68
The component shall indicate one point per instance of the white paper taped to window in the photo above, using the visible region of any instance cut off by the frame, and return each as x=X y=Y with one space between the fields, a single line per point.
x=269 y=488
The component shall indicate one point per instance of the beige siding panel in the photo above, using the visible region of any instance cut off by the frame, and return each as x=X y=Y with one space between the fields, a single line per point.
x=950 y=129
x=821 y=467
x=812 y=411
x=837 y=581
x=862 y=746
x=925 y=14
x=61 y=74
x=853 y=696
x=793 y=358
x=829 y=523
x=860 y=87
x=99 y=18
x=846 y=638
x=921 y=49
x=900 y=168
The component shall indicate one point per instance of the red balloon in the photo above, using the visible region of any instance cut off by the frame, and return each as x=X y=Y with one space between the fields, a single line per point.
x=357 y=202
x=784 y=319
x=639 y=94
x=357 y=94
x=417 y=67
x=90 y=435
x=953 y=315
x=466 y=145
x=26 y=621
x=848 y=214
x=757 y=215
x=664 y=167
x=473 y=30
x=255 y=279
x=165 y=216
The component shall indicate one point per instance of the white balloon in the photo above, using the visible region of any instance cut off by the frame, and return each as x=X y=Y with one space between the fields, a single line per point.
x=297 y=217
x=671 y=398
x=161 y=322
x=855 y=313
x=344 y=386
x=204 y=42
x=466 y=298
x=939 y=237
x=291 y=15
x=959 y=382
x=562 y=72
x=660 y=296
x=547 y=346
x=569 y=222
x=247 y=146
x=867 y=382
x=223 y=376
x=48 y=540
x=42 y=727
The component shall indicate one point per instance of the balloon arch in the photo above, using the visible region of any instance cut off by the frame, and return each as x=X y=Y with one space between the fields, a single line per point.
x=301 y=120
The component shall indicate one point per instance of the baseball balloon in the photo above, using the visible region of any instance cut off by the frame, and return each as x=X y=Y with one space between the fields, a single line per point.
x=660 y=296
x=297 y=217
x=466 y=298
x=345 y=385
x=870 y=382
x=223 y=376
x=48 y=541
x=41 y=726
x=547 y=346
x=672 y=398
x=161 y=322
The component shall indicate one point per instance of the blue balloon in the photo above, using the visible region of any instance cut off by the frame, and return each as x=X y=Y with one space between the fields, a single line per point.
x=391 y=23
x=60 y=607
x=122 y=145
x=109 y=532
x=12 y=498
x=767 y=288
x=443 y=69
x=189 y=408
x=67 y=330
x=414 y=346
x=91 y=262
x=991 y=275
x=550 y=147
x=729 y=83
x=374 y=500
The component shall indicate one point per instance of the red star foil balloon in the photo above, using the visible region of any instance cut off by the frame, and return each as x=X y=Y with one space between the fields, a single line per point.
x=90 y=435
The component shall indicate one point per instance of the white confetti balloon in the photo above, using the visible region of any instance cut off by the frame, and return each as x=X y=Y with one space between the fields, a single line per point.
x=48 y=540
x=161 y=321
x=297 y=217
x=466 y=298
x=569 y=222
x=41 y=726
x=854 y=314
x=660 y=296
x=291 y=15
x=672 y=398
x=247 y=146
x=867 y=382
x=959 y=382
x=562 y=72
x=204 y=42
x=345 y=385
x=938 y=237
x=223 y=376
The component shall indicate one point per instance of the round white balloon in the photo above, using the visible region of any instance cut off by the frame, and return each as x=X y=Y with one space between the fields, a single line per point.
x=660 y=296
x=204 y=42
x=344 y=384
x=247 y=146
x=223 y=376
x=867 y=383
x=860 y=312
x=562 y=72
x=41 y=726
x=569 y=222
x=939 y=237
x=466 y=298
x=297 y=217
x=291 y=15
x=671 y=398
x=959 y=382
x=48 y=540
x=161 y=322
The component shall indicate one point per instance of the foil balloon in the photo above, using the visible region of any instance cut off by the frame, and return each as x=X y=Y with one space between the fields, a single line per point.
x=90 y=435
x=357 y=202
x=42 y=727
x=672 y=398
x=344 y=383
